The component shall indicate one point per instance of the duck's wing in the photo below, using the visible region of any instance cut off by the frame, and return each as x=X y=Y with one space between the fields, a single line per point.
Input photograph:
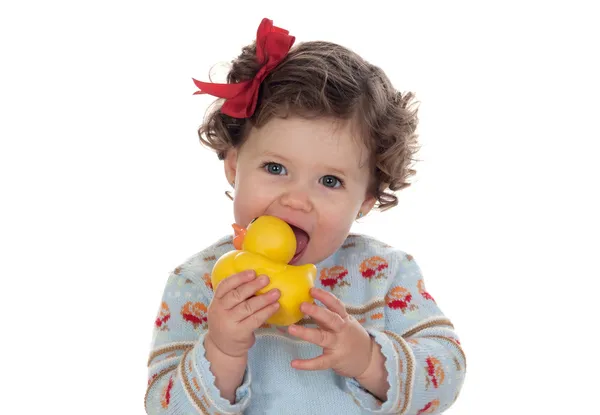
x=260 y=264
x=305 y=271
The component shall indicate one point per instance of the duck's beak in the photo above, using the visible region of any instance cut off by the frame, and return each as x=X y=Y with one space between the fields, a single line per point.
x=240 y=233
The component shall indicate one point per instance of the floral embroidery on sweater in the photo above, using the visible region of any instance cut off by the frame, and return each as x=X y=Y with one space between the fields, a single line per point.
x=163 y=316
x=207 y=280
x=399 y=298
x=373 y=267
x=435 y=373
x=430 y=408
x=195 y=313
x=334 y=276
x=423 y=292
x=166 y=394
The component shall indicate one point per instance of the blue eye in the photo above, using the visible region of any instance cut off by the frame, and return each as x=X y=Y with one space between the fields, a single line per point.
x=274 y=168
x=331 y=182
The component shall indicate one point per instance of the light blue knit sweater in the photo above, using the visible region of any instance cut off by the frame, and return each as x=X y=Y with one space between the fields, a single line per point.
x=382 y=288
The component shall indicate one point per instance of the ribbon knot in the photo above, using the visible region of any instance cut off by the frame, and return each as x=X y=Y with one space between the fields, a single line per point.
x=272 y=46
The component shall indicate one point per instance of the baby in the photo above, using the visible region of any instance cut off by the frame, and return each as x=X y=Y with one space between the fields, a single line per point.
x=317 y=136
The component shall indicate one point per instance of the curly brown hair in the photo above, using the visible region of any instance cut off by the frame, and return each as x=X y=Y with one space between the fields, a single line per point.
x=323 y=79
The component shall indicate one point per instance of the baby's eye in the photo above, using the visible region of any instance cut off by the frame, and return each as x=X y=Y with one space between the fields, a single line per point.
x=331 y=181
x=274 y=168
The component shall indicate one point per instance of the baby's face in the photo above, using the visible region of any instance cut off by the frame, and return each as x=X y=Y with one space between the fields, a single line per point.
x=314 y=174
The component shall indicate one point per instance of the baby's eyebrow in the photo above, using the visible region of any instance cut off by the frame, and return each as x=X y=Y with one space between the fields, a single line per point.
x=278 y=156
x=336 y=170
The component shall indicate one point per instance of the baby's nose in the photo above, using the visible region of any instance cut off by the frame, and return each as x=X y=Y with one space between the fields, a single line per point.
x=297 y=200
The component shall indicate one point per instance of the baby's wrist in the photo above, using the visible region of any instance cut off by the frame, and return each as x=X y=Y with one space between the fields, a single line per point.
x=374 y=378
x=228 y=370
x=367 y=373
x=213 y=348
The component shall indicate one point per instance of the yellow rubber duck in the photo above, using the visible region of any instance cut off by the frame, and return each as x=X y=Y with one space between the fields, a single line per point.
x=266 y=247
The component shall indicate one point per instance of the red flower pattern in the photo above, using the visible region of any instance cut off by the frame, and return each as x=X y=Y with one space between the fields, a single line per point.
x=430 y=408
x=334 y=276
x=163 y=316
x=166 y=395
x=373 y=267
x=435 y=372
x=195 y=313
x=399 y=298
x=423 y=292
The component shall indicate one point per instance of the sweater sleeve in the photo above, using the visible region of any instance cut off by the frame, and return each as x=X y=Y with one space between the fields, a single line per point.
x=423 y=355
x=179 y=377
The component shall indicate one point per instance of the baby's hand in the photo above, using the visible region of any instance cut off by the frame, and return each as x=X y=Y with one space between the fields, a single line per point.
x=235 y=312
x=347 y=346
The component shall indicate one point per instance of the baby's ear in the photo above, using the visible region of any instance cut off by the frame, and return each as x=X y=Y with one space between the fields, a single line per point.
x=368 y=204
x=230 y=164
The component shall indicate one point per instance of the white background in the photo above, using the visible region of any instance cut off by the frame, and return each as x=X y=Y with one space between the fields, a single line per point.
x=105 y=187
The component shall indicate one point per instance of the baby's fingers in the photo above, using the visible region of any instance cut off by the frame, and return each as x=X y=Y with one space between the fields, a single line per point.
x=232 y=282
x=325 y=318
x=259 y=318
x=322 y=362
x=320 y=337
x=253 y=304
x=244 y=291
x=330 y=301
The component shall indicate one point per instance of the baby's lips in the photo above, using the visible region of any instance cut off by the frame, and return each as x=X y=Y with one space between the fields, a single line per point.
x=240 y=234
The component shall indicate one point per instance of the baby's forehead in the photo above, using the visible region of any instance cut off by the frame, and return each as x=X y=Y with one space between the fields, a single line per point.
x=341 y=145
x=324 y=139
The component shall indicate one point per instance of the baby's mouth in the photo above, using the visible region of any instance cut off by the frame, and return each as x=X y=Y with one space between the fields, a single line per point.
x=302 y=240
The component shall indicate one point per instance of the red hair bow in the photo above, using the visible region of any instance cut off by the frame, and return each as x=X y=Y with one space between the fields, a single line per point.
x=272 y=46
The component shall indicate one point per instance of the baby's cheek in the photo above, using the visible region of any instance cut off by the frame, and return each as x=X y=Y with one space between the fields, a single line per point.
x=333 y=235
x=248 y=205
